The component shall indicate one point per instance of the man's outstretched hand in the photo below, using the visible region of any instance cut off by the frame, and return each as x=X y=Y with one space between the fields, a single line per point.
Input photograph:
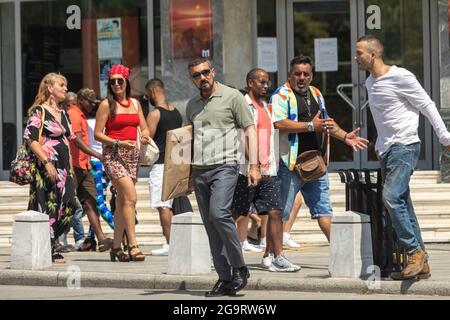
x=356 y=142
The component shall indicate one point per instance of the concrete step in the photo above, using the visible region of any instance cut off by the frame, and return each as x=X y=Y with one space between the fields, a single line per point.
x=430 y=199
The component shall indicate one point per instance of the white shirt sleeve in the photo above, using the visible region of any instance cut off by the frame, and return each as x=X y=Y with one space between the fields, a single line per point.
x=418 y=98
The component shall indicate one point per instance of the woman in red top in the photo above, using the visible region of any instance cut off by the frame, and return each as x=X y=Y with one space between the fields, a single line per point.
x=117 y=120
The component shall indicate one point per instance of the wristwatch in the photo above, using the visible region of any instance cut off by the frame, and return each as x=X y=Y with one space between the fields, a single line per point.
x=45 y=161
x=310 y=127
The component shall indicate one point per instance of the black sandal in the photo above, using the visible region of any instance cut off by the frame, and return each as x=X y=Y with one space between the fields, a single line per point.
x=119 y=254
x=58 y=258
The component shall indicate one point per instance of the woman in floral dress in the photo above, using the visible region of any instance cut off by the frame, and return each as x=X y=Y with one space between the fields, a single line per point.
x=52 y=191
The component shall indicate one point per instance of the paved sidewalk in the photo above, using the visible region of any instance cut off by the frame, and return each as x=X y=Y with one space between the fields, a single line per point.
x=97 y=271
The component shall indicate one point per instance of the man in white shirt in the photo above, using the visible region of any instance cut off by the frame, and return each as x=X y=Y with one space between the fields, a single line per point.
x=395 y=99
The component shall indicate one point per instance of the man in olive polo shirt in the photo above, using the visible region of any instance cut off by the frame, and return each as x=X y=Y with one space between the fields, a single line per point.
x=216 y=115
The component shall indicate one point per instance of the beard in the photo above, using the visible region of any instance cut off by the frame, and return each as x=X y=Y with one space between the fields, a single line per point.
x=204 y=85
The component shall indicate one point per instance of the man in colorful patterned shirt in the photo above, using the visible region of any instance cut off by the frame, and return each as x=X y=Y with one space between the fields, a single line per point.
x=300 y=115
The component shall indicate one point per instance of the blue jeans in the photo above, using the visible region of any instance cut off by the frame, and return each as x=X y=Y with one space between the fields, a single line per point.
x=397 y=166
x=76 y=222
x=316 y=193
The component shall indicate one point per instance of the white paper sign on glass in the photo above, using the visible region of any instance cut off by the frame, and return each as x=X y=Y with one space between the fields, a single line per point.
x=267 y=54
x=326 y=54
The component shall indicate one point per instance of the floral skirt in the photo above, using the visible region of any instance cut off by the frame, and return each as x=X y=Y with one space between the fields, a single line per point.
x=121 y=162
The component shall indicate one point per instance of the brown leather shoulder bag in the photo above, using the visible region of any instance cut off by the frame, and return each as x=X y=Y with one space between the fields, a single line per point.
x=310 y=165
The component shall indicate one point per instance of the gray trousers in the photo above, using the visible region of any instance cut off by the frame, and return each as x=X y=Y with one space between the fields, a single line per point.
x=214 y=190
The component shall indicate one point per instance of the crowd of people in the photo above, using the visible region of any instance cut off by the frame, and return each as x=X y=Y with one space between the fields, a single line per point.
x=78 y=154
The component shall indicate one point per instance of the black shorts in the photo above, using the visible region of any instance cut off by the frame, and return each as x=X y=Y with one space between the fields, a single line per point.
x=264 y=197
x=84 y=185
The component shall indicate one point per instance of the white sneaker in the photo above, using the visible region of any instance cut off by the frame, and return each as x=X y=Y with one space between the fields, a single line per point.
x=246 y=246
x=282 y=264
x=78 y=244
x=263 y=243
x=63 y=239
x=266 y=262
x=163 y=251
x=288 y=242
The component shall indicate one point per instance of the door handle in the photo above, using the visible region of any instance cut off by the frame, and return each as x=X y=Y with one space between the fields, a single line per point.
x=340 y=92
x=361 y=118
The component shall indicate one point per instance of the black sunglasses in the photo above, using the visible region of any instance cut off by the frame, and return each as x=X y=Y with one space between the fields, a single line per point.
x=112 y=82
x=197 y=75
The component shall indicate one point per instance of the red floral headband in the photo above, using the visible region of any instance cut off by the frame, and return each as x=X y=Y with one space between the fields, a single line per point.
x=119 y=69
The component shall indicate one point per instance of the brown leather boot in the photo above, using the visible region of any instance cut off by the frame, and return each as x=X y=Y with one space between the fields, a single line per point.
x=415 y=264
x=424 y=274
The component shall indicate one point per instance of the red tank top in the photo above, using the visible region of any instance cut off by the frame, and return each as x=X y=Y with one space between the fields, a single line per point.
x=122 y=126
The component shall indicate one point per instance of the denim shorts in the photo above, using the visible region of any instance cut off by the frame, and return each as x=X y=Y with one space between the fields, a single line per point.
x=316 y=194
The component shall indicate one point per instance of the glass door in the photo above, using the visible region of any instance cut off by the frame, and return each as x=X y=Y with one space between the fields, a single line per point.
x=327 y=31
x=8 y=99
x=324 y=31
x=402 y=29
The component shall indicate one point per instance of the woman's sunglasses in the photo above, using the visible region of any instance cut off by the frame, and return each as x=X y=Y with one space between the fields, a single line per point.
x=119 y=81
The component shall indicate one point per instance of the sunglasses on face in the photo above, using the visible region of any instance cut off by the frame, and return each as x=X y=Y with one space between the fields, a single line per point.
x=119 y=81
x=197 y=75
x=264 y=82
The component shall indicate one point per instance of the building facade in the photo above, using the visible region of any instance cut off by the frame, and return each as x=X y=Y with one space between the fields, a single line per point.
x=156 y=38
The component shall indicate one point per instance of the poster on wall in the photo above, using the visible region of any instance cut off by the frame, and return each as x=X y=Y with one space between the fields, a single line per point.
x=326 y=54
x=109 y=43
x=191 y=29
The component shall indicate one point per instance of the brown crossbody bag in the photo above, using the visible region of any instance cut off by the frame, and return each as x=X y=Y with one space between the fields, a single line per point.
x=311 y=165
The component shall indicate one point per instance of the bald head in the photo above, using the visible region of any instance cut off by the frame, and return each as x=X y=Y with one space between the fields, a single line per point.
x=374 y=45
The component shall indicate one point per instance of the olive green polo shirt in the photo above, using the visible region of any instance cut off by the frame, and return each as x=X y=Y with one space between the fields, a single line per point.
x=216 y=121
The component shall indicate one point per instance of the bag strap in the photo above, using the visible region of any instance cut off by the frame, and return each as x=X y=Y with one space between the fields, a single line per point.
x=40 y=130
x=325 y=148
x=42 y=124
x=138 y=140
x=134 y=105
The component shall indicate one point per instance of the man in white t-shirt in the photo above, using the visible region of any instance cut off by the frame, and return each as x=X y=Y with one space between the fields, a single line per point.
x=395 y=100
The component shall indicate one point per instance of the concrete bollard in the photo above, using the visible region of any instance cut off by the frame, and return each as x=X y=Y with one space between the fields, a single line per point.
x=189 y=251
x=30 y=247
x=350 y=246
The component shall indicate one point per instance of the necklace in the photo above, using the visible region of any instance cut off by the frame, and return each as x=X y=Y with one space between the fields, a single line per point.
x=124 y=105
x=52 y=107
x=307 y=100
